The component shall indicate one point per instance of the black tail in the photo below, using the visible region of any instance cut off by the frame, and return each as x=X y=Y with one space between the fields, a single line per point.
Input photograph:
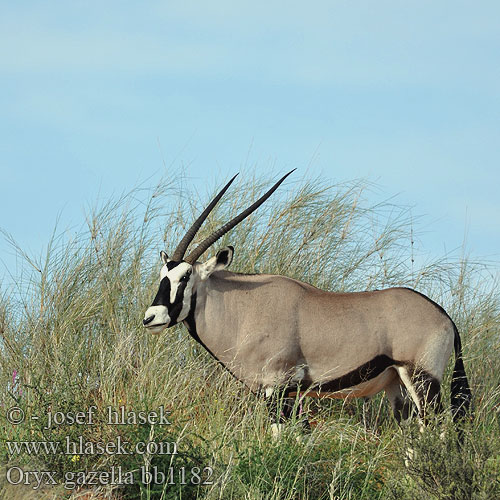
x=460 y=390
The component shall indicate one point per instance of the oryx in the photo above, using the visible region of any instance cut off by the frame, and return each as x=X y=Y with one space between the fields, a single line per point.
x=273 y=332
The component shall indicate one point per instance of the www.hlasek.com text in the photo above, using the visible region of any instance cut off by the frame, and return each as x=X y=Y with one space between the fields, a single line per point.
x=79 y=446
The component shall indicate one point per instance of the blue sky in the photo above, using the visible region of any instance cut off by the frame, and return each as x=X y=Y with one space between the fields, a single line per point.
x=97 y=97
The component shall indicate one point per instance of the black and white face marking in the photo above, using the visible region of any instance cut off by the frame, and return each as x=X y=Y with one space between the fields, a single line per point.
x=178 y=281
x=173 y=299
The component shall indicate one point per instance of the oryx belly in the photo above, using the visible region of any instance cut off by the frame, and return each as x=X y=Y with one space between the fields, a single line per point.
x=363 y=389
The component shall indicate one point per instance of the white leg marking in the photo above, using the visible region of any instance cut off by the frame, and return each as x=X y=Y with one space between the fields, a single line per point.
x=405 y=378
x=409 y=456
x=276 y=430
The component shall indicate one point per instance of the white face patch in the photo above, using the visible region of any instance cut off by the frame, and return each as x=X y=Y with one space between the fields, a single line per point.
x=163 y=271
x=174 y=276
x=161 y=318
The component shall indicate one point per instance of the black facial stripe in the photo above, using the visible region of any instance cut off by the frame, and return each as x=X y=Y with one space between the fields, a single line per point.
x=186 y=277
x=163 y=295
x=170 y=265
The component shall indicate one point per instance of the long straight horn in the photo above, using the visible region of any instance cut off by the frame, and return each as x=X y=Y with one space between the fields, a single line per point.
x=184 y=243
x=193 y=256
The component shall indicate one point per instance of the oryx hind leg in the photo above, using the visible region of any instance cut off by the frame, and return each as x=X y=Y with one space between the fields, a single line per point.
x=399 y=399
x=423 y=388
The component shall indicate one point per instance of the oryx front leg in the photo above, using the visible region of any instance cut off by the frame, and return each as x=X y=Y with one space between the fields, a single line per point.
x=276 y=425
x=283 y=409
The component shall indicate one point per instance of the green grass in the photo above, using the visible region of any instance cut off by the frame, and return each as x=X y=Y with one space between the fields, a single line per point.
x=71 y=337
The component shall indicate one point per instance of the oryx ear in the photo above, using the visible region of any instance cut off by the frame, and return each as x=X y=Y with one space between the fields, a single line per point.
x=225 y=256
x=164 y=257
x=222 y=260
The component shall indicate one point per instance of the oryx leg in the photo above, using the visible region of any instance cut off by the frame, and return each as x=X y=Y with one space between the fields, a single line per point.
x=399 y=399
x=283 y=408
x=423 y=388
x=366 y=402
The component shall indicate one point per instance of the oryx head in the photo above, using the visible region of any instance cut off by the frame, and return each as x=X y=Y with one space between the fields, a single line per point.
x=179 y=276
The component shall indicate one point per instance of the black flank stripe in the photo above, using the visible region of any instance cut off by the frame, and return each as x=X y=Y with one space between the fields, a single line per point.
x=363 y=373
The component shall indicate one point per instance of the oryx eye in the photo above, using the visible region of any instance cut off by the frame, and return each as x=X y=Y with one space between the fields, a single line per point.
x=186 y=276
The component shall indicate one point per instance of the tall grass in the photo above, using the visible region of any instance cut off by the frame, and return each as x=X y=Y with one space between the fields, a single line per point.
x=71 y=337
